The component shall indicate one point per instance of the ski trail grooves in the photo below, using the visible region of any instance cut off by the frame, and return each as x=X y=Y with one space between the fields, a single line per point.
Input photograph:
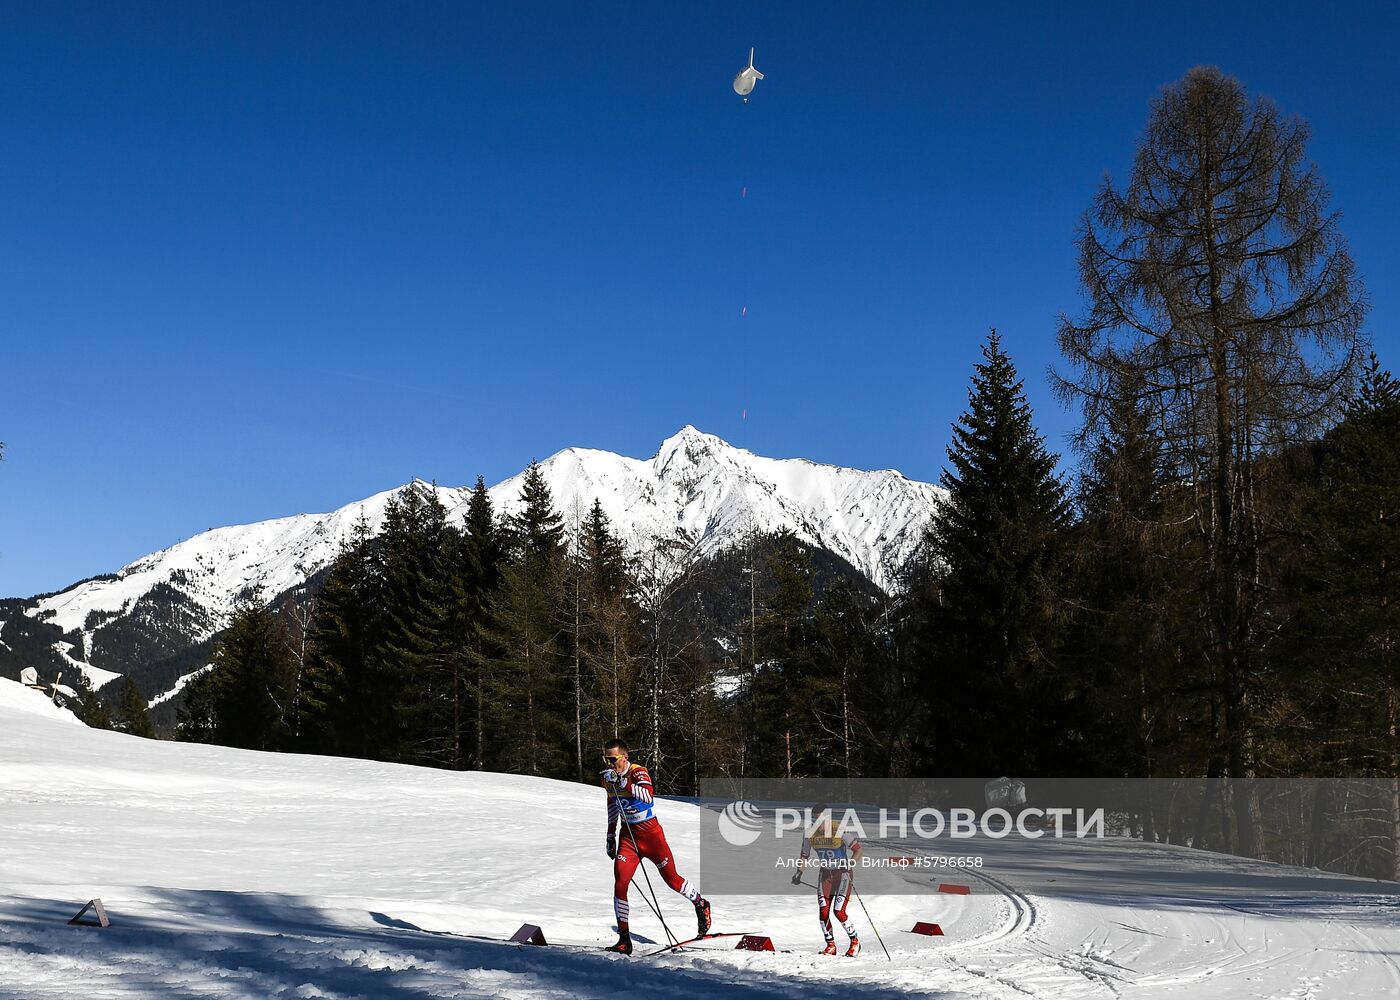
x=1024 y=912
x=1022 y=915
x=1021 y=963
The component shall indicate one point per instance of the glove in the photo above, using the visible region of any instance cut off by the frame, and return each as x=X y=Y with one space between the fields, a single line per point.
x=797 y=877
x=610 y=776
x=612 y=846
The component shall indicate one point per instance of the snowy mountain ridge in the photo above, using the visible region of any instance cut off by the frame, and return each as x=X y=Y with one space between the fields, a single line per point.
x=695 y=482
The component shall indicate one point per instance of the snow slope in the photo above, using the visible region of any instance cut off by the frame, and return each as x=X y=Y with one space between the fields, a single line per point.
x=695 y=482
x=232 y=874
x=17 y=699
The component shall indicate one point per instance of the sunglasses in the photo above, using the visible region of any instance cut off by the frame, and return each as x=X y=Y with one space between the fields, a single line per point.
x=612 y=758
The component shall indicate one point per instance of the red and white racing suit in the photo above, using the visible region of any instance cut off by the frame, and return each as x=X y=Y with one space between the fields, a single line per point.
x=639 y=835
x=836 y=855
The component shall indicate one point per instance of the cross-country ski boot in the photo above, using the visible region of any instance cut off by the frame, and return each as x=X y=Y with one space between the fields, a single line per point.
x=854 y=949
x=624 y=944
x=830 y=948
x=702 y=917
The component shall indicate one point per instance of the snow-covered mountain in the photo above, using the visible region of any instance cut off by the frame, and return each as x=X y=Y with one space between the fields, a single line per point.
x=695 y=482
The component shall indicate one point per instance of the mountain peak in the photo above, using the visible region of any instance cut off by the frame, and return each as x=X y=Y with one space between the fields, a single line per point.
x=689 y=446
x=689 y=436
x=697 y=484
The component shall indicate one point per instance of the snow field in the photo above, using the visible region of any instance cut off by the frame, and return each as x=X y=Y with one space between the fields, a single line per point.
x=233 y=874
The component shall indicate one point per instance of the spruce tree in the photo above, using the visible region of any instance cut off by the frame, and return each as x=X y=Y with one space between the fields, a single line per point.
x=612 y=629
x=604 y=554
x=485 y=546
x=131 y=716
x=781 y=697
x=528 y=693
x=480 y=557
x=343 y=706
x=1350 y=613
x=253 y=673
x=596 y=580
x=91 y=711
x=997 y=543
x=1131 y=576
x=197 y=719
x=415 y=661
x=536 y=529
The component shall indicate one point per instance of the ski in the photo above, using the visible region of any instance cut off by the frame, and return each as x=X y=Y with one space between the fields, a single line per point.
x=680 y=945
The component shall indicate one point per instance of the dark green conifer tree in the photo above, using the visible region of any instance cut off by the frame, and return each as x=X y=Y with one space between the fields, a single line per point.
x=1140 y=707
x=90 y=710
x=527 y=672
x=197 y=719
x=996 y=543
x=848 y=660
x=780 y=695
x=130 y=716
x=1350 y=614
x=610 y=634
x=342 y=704
x=480 y=557
x=415 y=658
x=252 y=678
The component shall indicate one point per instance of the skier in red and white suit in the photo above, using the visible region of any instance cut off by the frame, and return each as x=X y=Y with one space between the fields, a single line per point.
x=837 y=856
x=631 y=808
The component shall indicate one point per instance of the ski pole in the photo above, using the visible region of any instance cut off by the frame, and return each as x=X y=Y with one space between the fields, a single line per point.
x=872 y=923
x=653 y=902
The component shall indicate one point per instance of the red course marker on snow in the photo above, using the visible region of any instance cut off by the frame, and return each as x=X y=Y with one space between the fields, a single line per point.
x=754 y=942
x=957 y=890
x=933 y=930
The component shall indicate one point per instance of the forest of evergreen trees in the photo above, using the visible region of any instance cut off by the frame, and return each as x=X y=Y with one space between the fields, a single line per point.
x=1210 y=595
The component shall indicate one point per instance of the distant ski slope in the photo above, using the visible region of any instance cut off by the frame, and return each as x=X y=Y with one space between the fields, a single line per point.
x=234 y=874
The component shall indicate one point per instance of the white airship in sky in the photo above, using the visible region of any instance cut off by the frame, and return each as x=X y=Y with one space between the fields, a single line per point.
x=746 y=78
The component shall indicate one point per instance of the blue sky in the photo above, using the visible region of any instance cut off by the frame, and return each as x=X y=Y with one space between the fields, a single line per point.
x=258 y=258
